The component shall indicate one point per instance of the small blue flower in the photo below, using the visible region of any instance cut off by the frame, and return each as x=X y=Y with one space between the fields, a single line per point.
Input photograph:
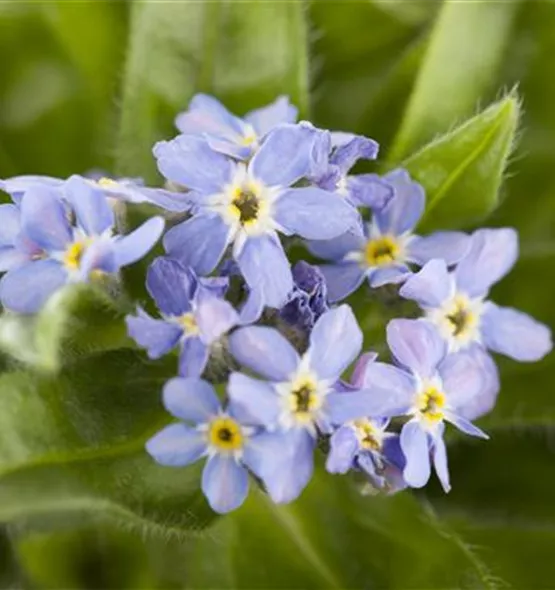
x=302 y=395
x=382 y=250
x=207 y=430
x=456 y=302
x=362 y=190
x=194 y=316
x=431 y=388
x=70 y=253
x=246 y=206
x=365 y=444
x=228 y=134
x=308 y=300
x=131 y=190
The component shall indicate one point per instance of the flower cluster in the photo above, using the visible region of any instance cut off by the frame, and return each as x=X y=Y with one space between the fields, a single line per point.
x=263 y=345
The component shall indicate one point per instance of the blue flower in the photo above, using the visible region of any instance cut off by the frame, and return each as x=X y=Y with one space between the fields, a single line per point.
x=456 y=302
x=207 y=430
x=228 y=134
x=362 y=190
x=246 y=205
x=431 y=388
x=308 y=300
x=70 y=253
x=365 y=444
x=131 y=190
x=382 y=250
x=301 y=397
x=194 y=316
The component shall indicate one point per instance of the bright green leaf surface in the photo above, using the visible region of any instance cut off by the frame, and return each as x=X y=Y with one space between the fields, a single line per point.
x=462 y=171
x=466 y=46
x=245 y=57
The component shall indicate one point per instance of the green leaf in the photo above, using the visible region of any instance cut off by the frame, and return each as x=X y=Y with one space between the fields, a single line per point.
x=78 y=320
x=462 y=171
x=463 y=56
x=245 y=57
x=72 y=447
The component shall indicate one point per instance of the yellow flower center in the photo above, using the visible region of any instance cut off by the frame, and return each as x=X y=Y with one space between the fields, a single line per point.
x=189 y=324
x=460 y=319
x=368 y=435
x=74 y=254
x=106 y=182
x=381 y=251
x=245 y=205
x=248 y=139
x=304 y=400
x=431 y=403
x=225 y=434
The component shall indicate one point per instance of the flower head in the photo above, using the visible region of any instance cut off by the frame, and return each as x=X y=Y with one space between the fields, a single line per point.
x=431 y=388
x=247 y=205
x=194 y=316
x=302 y=395
x=231 y=135
x=456 y=301
x=206 y=430
x=67 y=252
x=382 y=250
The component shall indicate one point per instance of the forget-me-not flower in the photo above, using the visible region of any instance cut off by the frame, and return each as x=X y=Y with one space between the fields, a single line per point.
x=70 y=253
x=382 y=250
x=301 y=397
x=431 y=388
x=206 y=430
x=194 y=316
x=231 y=135
x=456 y=302
x=247 y=205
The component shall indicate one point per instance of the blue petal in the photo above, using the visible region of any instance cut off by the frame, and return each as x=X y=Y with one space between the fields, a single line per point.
x=100 y=255
x=450 y=246
x=336 y=248
x=365 y=359
x=26 y=289
x=399 y=385
x=440 y=463
x=265 y=267
x=189 y=161
x=266 y=118
x=492 y=254
x=171 y=285
x=392 y=274
x=10 y=224
x=465 y=425
x=176 y=446
x=17 y=186
x=515 y=334
x=335 y=342
x=208 y=115
x=404 y=210
x=214 y=316
x=252 y=401
x=430 y=286
x=90 y=205
x=168 y=200
x=157 y=336
x=193 y=357
x=224 y=483
x=198 y=242
x=417 y=345
x=252 y=309
x=345 y=406
x=343 y=449
x=285 y=464
x=414 y=443
x=11 y=258
x=315 y=214
x=192 y=400
x=265 y=351
x=285 y=156
x=44 y=219
x=342 y=279
x=345 y=156
x=132 y=247
x=369 y=190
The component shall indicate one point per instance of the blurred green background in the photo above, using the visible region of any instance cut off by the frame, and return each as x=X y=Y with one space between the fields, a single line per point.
x=91 y=84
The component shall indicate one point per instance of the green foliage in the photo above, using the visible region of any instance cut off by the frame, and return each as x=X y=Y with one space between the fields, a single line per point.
x=77 y=402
